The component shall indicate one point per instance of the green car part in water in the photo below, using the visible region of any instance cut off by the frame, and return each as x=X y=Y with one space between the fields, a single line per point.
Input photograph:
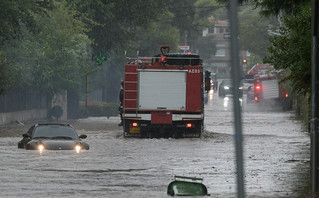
x=186 y=188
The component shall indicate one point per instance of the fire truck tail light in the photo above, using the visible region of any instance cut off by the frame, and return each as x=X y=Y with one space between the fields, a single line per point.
x=189 y=125
x=163 y=59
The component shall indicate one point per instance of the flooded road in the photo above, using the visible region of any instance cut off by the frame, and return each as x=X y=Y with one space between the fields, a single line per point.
x=276 y=158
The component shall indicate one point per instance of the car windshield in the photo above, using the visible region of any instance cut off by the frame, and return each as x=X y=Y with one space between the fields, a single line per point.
x=227 y=82
x=54 y=131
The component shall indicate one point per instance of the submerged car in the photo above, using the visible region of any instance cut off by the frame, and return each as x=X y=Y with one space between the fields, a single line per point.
x=226 y=88
x=53 y=136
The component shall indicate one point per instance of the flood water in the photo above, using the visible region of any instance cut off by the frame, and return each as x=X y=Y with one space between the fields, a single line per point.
x=276 y=158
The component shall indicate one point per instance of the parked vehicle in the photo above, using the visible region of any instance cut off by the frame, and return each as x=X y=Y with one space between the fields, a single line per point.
x=164 y=97
x=53 y=136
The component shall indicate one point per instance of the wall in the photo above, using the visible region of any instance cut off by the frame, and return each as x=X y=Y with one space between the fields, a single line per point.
x=22 y=116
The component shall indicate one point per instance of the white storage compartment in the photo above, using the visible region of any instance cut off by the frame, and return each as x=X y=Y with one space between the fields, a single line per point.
x=270 y=89
x=158 y=89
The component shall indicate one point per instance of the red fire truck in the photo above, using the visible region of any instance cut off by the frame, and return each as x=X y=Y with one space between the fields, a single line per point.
x=163 y=96
x=270 y=87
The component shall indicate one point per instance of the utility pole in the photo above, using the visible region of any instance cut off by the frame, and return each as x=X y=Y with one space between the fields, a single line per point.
x=236 y=75
x=314 y=97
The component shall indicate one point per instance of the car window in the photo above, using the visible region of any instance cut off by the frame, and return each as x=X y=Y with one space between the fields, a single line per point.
x=55 y=131
x=30 y=130
x=227 y=82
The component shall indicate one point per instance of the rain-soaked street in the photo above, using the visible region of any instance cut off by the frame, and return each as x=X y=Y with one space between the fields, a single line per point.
x=276 y=158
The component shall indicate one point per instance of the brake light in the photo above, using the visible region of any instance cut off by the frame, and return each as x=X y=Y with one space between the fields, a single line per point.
x=163 y=59
x=189 y=125
x=257 y=87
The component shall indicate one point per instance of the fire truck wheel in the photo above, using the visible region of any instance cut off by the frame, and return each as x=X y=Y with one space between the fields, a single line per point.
x=125 y=128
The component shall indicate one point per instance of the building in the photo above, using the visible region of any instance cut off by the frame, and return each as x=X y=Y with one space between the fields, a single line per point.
x=219 y=62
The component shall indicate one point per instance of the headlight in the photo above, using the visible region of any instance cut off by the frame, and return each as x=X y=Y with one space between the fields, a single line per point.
x=78 y=148
x=41 y=147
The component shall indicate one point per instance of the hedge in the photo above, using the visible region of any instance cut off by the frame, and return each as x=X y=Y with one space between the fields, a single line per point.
x=101 y=109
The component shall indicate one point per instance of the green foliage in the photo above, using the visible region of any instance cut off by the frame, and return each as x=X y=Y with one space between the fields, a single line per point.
x=57 y=57
x=253 y=60
x=99 y=110
x=9 y=73
x=191 y=17
x=206 y=46
x=253 y=26
x=292 y=49
x=117 y=20
x=15 y=13
x=272 y=7
x=156 y=34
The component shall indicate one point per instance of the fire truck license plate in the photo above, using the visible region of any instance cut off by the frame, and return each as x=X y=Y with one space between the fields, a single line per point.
x=135 y=130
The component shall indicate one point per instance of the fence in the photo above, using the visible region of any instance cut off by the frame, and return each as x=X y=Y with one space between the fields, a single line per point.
x=20 y=99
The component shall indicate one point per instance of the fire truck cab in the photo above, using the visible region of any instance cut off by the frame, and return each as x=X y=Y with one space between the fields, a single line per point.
x=163 y=96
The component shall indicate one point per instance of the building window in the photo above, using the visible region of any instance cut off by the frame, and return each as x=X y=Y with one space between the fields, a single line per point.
x=211 y=30
x=220 y=44
x=220 y=52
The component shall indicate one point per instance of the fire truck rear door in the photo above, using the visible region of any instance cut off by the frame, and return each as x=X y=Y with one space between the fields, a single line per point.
x=162 y=89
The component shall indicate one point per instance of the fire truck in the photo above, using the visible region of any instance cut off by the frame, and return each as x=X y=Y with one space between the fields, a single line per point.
x=163 y=96
x=270 y=87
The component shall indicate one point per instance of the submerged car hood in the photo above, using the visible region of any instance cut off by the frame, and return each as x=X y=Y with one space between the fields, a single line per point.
x=59 y=144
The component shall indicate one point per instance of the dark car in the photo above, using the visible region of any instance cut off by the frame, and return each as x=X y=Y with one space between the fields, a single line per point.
x=226 y=88
x=53 y=136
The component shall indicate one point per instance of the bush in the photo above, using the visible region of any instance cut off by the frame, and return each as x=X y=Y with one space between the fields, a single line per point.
x=101 y=109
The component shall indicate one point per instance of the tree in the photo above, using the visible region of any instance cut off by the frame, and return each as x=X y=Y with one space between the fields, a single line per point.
x=13 y=14
x=191 y=17
x=272 y=7
x=291 y=50
x=9 y=74
x=251 y=25
x=57 y=57
x=206 y=46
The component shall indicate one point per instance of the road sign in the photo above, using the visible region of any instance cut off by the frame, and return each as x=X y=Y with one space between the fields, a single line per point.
x=185 y=47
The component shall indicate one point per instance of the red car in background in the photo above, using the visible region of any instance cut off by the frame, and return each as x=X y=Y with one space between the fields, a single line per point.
x=259 y=67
